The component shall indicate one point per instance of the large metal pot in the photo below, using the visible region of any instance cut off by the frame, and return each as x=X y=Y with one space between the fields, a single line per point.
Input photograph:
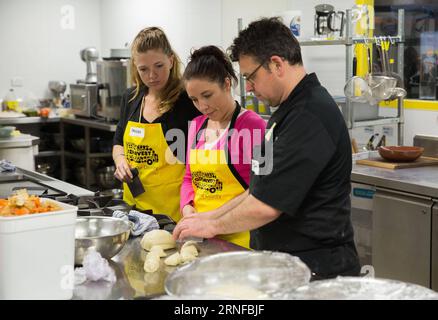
x=241 y=275
x=105 y=178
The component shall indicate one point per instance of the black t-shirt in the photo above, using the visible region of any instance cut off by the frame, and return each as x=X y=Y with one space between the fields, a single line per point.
x=178 y=117
x=310 y=178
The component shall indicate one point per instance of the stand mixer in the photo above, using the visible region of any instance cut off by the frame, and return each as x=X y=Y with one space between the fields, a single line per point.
x=89 y=55
x=58 y=89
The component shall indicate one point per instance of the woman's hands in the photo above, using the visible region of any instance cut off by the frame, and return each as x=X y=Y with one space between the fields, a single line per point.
x=123 y=170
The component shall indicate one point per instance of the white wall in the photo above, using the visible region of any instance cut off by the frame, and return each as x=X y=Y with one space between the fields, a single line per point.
x=187 y=23
x=35 y=48
x=328 y=62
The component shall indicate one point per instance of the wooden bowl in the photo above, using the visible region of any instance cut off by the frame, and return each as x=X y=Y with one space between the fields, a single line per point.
x=400 y=153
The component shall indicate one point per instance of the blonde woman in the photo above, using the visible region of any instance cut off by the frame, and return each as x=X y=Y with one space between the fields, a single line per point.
x=152 y=112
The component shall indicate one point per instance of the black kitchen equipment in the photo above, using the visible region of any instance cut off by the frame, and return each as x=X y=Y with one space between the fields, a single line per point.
x=135 y=186
x=328 y=21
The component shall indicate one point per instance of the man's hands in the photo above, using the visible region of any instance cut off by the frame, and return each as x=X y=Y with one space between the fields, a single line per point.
x=195 y=225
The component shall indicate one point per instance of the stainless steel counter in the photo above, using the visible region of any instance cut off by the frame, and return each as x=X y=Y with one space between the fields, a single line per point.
x=85 y=122
x=421 y=181
x=91 y=123
x=9 y=180
x=132 y=281
x=27 y=120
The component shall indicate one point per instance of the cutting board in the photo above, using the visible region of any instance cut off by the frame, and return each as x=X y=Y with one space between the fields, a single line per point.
x=382 y=163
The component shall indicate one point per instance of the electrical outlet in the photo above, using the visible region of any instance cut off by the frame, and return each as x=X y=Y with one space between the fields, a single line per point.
x=17 y=82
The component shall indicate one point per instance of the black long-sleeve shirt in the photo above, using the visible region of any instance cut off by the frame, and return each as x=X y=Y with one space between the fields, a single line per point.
x=178 y=117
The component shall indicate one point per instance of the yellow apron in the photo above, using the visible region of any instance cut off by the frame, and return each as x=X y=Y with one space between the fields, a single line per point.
x=215 y=181
x=160 y=172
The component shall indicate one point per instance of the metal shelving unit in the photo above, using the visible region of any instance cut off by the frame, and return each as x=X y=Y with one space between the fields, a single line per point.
x=349 y=41
x=87 y=154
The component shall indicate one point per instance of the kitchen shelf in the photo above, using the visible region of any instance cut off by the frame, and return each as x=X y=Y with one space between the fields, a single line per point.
x=48 y=154
x=347 y=41
x=101 y=155
x=27 y=120
x=376 y=122
x=70 y=154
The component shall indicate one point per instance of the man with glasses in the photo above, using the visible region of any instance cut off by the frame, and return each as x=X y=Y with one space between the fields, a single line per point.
x=302 y=205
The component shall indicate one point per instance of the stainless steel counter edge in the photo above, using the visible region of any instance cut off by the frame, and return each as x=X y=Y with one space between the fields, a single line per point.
x=421 y=181
x=92 y=123
x=56 y=184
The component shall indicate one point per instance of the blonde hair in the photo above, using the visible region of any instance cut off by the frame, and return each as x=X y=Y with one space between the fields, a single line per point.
x=153 y=38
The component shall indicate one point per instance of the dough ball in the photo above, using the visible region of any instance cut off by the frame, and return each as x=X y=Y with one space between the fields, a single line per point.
x=160 y=238
x=187 y=257
x=189 y=243
x=190 y=249
x=159 y=251
x=173 y=260
x=152 y=262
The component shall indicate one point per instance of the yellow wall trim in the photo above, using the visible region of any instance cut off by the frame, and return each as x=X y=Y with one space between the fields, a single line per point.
x=413 y=104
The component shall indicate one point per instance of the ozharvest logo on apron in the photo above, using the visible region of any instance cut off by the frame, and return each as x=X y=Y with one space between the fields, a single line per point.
x=142 y=154
x=207 y=181
x=146 y=148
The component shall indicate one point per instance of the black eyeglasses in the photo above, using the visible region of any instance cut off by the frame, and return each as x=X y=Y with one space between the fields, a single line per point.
x=252 y=74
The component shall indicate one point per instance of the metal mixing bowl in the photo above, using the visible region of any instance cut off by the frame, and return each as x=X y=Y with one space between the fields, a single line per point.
x=273 y=274
x=106 y=234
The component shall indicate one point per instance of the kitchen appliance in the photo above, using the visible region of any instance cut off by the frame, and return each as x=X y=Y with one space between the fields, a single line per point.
x=58 y=89
x=89 y=55
x=328 y=21
x=114 y=78
x=83 y=99
x=84 y=93
x=20 y=150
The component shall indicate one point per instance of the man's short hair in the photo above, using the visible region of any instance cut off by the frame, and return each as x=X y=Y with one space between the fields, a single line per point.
x=264 y=38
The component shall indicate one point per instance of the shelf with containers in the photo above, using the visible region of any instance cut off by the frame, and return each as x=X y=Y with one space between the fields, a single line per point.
x=86 y=154
x=350 y=110
x=48 y=158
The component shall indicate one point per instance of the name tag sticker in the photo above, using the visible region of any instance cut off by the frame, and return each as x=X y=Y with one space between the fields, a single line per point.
x=136 y=132
x=255 y=167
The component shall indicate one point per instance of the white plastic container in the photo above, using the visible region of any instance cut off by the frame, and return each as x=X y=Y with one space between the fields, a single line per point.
x=37 y=255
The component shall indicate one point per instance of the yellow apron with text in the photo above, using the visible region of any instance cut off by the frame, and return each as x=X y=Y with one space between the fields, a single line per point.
x=160 y=172
x=215 y=184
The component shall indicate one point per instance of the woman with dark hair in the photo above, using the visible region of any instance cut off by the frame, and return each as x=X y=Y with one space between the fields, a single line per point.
x=220 y=142
x=152 y=112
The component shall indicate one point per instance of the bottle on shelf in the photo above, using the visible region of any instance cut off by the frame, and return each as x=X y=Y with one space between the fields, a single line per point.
x=11 y=103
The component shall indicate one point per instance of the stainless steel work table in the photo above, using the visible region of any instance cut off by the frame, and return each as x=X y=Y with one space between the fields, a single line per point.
x=132 y=281
x=421 y=181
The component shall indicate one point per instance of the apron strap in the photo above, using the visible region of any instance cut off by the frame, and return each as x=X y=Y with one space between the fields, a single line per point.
x=226 y=150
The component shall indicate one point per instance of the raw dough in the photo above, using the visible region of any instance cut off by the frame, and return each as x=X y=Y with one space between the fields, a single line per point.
x=160 y=238
x=188 y=253
x=173 y=260
x=189 y=243
x=152 y=262
x=159 y=251
x=236 y=291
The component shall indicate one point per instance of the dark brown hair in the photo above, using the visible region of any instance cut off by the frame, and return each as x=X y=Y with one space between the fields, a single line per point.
x=210 y=63
x=264 y=38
